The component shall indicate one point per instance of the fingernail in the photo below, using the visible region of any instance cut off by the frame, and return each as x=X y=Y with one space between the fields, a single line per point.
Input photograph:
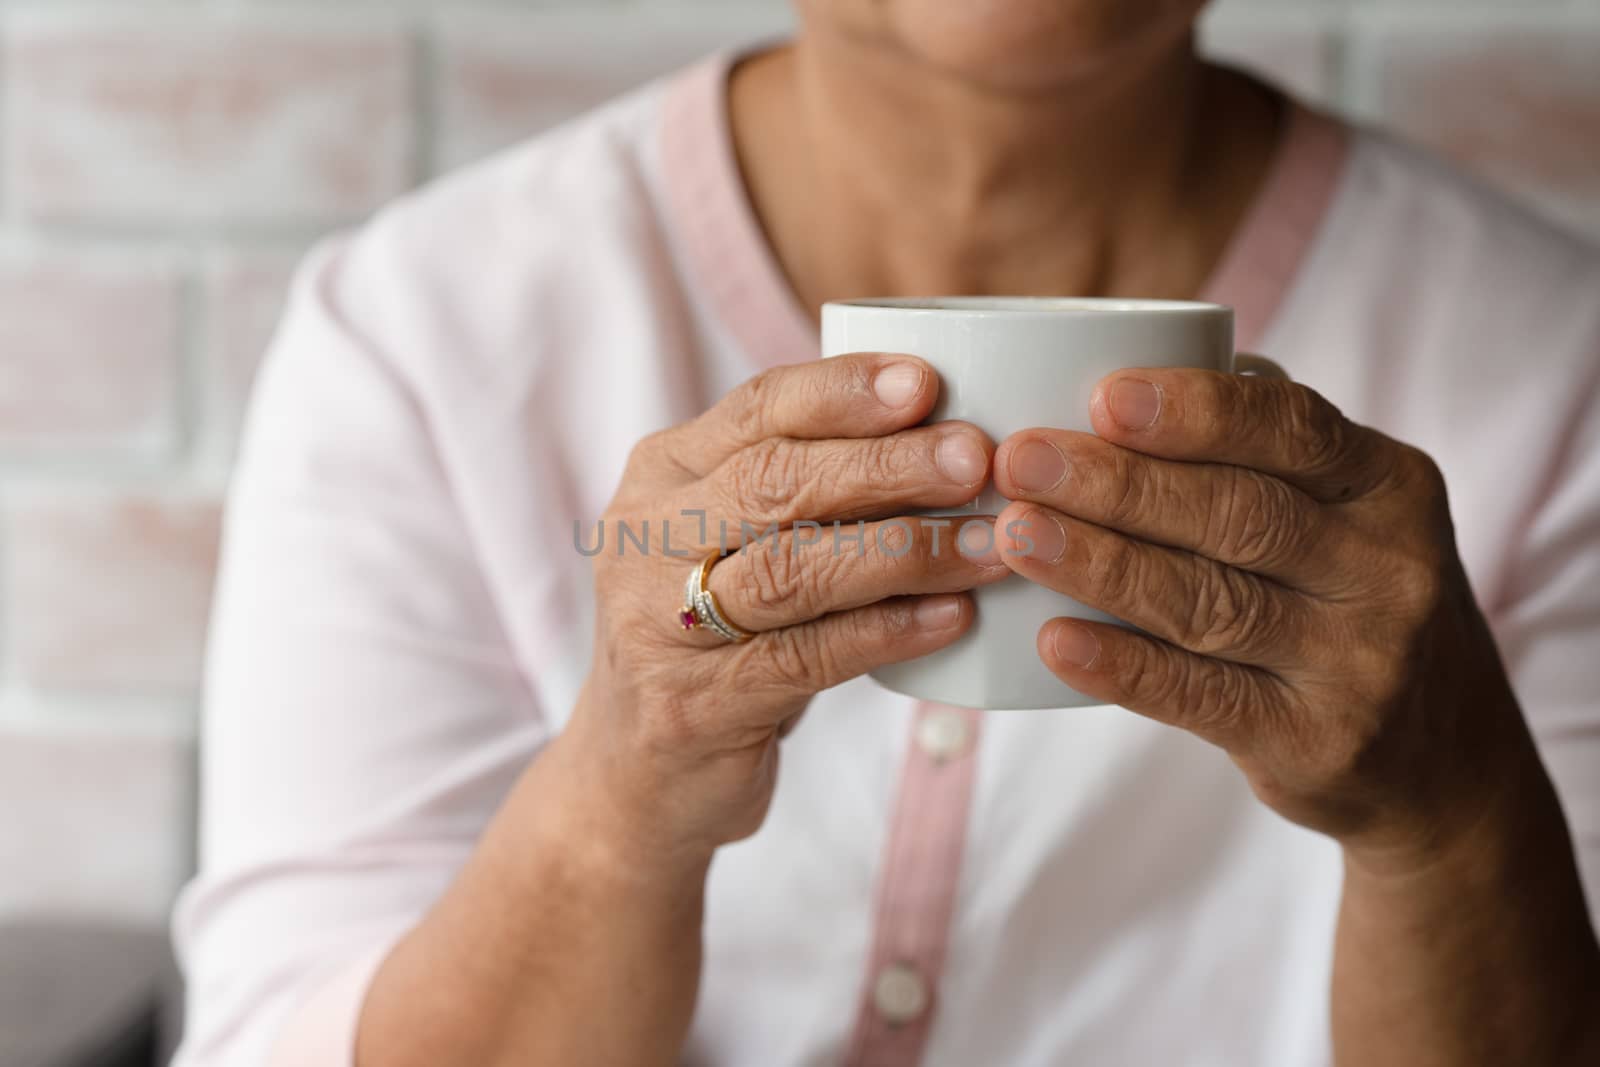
x=1049 y=539
x=937 y=612
x=976 y=542
x=1135 y=404
x=1075 y=644
x=1037 y=466
x=962 y=459
x=897 y=384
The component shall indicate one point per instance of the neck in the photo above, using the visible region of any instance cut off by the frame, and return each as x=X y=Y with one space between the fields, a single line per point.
x=876 y=175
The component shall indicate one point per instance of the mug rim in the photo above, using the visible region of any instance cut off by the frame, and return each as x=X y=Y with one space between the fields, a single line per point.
x=1003 y=306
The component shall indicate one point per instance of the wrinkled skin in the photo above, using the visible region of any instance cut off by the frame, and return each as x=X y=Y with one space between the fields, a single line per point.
x=1299 y=579
x=815 y=441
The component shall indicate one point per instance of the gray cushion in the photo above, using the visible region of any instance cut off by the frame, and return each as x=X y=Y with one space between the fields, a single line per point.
x=77 y=994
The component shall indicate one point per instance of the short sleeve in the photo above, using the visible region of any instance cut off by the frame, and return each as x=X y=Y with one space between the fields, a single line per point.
x=1548 y=627
x=364 y=714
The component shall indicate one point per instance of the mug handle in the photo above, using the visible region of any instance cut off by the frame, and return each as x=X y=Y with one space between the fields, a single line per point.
x=1259 y=366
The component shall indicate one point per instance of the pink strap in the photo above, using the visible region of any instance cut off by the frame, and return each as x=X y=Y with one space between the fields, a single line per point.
x=732 y=262
x=917 y=890
x=1264 y=257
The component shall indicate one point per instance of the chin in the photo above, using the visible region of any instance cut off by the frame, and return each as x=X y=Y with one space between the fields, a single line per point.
x=1018 y=43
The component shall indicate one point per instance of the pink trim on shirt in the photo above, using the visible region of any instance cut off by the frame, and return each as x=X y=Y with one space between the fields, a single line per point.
x=917 y=890
x=733 y=263
x=1262 y=260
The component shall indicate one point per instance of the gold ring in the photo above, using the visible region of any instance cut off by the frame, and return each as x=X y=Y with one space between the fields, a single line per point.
x=700 y=608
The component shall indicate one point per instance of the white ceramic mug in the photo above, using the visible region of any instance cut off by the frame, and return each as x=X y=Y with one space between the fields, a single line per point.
x=1009 y=364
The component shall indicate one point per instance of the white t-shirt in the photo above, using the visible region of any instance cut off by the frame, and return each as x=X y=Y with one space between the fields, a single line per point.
x=403 y=619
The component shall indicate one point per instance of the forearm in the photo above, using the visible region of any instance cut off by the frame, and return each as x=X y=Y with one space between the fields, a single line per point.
x=1482 y=955
x=564 y=940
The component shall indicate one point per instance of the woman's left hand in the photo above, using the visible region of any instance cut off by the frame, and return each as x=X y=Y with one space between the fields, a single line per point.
x=1297 y=576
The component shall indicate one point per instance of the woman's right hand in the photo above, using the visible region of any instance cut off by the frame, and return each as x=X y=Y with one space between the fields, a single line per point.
x=677 y=730
x=584 y=898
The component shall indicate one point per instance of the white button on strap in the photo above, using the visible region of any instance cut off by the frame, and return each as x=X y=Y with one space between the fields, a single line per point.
x=900 y=994
x=943 y=734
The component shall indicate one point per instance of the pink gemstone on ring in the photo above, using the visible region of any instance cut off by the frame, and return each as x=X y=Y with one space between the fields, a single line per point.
x=687 y=618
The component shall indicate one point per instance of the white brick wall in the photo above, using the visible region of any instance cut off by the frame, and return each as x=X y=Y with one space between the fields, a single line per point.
x=162 y=165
